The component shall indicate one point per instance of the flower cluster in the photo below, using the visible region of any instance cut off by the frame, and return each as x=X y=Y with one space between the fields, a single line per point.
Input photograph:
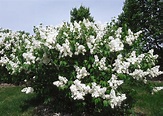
x=62 y=81
x=122 y=65
x=79 y=90
x=114 y=83
x=132 y=36
x=156 y=89
x=81 y=73
x=116 y=100
x=64 y=49
x=100 y=63
x=27 y=90
x=115 y=44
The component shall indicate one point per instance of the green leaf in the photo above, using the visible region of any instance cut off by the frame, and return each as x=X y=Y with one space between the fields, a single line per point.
x=105 y=103
x=97 y=100
x=89 y=66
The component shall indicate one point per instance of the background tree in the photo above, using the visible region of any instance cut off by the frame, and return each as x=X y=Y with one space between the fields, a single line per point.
x=145 y=15
x=80 y=14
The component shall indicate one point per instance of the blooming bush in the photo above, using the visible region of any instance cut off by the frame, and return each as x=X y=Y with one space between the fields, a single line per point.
x=87 y=61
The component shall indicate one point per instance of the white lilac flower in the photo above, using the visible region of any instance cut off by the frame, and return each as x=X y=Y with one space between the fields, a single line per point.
x=77 y=25
x=121 y=66
x=90 y=41
x=13 y=64
x=79 y=90
x=29 y=57
x=156 y=89
x=64 y=49
x=140 y=58
x=87 y=23
x=131 y=37
x=139 y=74
x=151 y=54
x=116 y=100
x=154 y=72
x=114 y=83
x=97 y=90
x=62 y=81
x=51 y=36
x=4 y=60
x=27 y=90
x=133 y=59
x=100 y=63
x=36 y=43
x=118 y=32
x=116 y=45
x=81 y=73
x=80 y=49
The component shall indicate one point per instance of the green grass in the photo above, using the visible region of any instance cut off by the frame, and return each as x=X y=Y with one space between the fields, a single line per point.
x=15 y=103
x=148 y=104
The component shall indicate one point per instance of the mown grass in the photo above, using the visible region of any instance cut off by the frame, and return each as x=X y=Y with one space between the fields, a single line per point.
x=15 y=103
x=147 y=104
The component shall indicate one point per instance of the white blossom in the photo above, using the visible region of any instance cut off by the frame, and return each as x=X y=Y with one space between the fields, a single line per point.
x=156 y=89
x=4 y=60
x=134 y=59
x=97 y=90
x=116 y=100
x=152 y=55
x=154 y=72
x=132 y=37
x=118 y=32
x=80 y=49
x=79 y=90
x=116 y=45
x=29 y=57
x=81 y=73
x=100 y=63
x=120 y=66
x=138 y=74
x=64 y=49
x=114 y=83
x=62 y=81
x=27 y=90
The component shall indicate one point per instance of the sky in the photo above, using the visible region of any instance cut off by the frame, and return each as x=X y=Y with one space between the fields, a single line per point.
x=24 y=14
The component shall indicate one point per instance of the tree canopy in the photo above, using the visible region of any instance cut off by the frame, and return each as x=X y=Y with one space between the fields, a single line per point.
x=80 y=14
x=145 y=15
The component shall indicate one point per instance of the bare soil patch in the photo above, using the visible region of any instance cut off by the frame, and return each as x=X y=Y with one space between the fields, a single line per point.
x=2 y=85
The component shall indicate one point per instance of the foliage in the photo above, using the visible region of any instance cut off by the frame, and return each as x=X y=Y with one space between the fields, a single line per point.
x=81 y=63
x=80 y=14
x=145 y=15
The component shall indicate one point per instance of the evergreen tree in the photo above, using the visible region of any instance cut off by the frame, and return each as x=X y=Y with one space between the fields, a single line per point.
x=80 y=14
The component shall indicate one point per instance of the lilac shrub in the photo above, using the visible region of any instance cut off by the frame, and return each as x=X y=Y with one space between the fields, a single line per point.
x=79 y=59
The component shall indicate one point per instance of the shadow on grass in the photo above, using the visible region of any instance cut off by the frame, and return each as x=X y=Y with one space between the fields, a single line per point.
x=31 y=103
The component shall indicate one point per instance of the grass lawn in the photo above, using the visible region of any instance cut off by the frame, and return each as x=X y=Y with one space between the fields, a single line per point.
x=15 y=103
x=148 y=104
